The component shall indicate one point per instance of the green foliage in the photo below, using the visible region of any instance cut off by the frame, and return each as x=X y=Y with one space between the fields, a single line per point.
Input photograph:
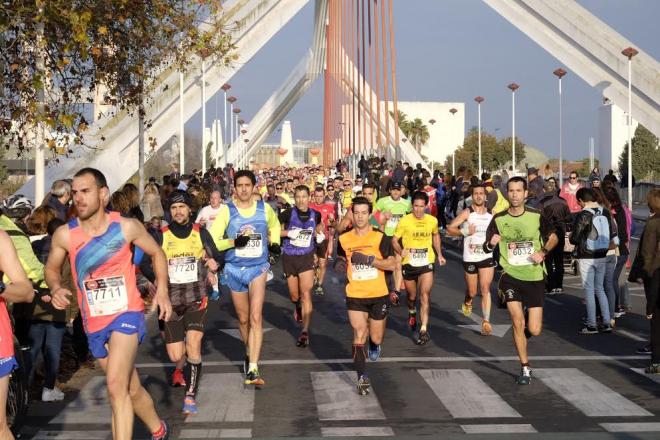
x=54 y=54
x=495 y=154
x=585 y=168
x=645 y=156
x=415 y=130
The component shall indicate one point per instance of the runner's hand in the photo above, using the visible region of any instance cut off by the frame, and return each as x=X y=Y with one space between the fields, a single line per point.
x=293 y=233
x=162 y=303
x=537 y=257
x=212 y=265
x=472 y=228
x=387 y=215
x=241 y=241
x=60 y=298
x=360 y=258
x=320 y=237
x=441 y=260
x=495 y=239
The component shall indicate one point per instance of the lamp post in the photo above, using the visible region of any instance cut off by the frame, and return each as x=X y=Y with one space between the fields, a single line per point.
x=231 y=100
x=630 y=52
x=559 y=73
x=182 y=152
x=479 y=100
x=224 y=88
x=234 y=123
x=513 y=87
x=453 y=153
x=203 y=116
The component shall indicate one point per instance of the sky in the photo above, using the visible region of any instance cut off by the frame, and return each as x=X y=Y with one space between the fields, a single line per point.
x=454 y=50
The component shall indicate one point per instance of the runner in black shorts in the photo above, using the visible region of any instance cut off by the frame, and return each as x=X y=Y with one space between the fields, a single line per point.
x=524 y=238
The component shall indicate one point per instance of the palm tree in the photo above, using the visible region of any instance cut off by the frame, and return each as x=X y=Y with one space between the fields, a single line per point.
x=419 y=133
x=404 y=123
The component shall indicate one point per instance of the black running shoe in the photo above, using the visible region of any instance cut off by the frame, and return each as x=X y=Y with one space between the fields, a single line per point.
x=423 y=338
x=303 y=340
x=363 y=385
x=297 y=314
x=644 y=350
x=525 y=377
x=246 y=365
x=254 y=378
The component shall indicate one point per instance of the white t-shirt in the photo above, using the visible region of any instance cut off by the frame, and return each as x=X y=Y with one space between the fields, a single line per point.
x=207 y=215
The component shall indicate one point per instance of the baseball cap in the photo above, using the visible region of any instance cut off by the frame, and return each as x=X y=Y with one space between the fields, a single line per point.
x=532 y=170
x=396 y=185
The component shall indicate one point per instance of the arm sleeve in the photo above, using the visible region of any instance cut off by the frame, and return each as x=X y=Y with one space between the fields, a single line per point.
x=547 y=226
x=621 y=223
x=490 y=231
x=274 y=227
x=219 y=228
x=210 y=247
x=578 y=228
x=145 y=264
x=649 y=247
x=386 y=246
x=285 y=216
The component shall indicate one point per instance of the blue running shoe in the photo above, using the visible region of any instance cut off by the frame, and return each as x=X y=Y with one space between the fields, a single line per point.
x=373 y=351
x=215 y=295
x=189 y=405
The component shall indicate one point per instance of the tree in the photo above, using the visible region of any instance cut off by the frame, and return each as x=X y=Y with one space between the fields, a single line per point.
x=418 y=133
x=645 y=157
x=495 y=154
x=66 y=49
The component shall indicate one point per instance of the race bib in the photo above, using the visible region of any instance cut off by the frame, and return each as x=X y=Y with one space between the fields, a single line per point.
x=475 y=245
x=304 y=239
x=106 y=296
x=253 y=249
x=182 y=270
x=363 y=272
x=519 y=253
x=418 y=257
x=393 y=221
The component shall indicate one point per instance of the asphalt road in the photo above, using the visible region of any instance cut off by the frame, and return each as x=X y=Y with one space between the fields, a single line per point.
x=460 y=385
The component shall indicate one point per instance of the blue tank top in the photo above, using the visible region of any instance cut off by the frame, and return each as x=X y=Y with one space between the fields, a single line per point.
x=256 y=251
x=305 y=242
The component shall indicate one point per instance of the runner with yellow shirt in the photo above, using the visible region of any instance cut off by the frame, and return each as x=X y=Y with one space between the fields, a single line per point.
x=417 y=240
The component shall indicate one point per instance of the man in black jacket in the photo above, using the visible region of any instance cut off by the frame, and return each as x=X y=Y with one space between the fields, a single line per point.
x=556 y=210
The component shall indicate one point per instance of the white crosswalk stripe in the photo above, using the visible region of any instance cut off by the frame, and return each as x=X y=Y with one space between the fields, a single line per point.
x=222 y=397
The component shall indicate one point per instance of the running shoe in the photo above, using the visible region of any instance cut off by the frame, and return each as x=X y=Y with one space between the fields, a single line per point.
x=559 y=290
x=303 y=340
x=423 y=338
x=412 y=319
x=269 y=275
x=466 y=307
x=551 y=292
x=363 y=385
x=486 y=328
x=165 y=429
x=254 y=378
x=588 y=330
x=394 y=298
x=525 y=376
x=644 y=350
x=319 y=291
x=652 y=369
x=177 y=378
x=373 y=351
x=297 y=314
x=606 y=329
x=246 y=365
x=189 y=405
x=215 y=295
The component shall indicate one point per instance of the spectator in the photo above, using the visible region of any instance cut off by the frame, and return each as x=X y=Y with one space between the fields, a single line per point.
x=556 y=210
x=37 y=223
x=610 y=177
x=151 y=205
x=119 y=202
x=569 y=192
x=59 y=197
x=534 y=187
x=623 y=251
x=595 y=175
x=208 y=213
x=133 y=196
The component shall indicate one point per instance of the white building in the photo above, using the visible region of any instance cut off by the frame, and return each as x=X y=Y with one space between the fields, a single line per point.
x=612 y=135
x=446 y=133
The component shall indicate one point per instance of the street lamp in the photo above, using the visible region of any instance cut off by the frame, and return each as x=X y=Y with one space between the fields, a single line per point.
x=630 y=52
x=559 y=73
x=513 y=87
x=231 y=100
x=479 y=100
x=453 y=153
x=224 y=88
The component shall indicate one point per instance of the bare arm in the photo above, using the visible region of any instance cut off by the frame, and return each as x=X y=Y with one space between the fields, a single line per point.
x=453 y=228
x=396 y=245
x=437 y=246
x=388 y=263
x=345 y=222
x=59 y=248
x=20 y=289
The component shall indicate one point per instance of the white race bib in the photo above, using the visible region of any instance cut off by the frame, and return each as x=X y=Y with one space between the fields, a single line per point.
x=418 y=257
x=253 y=249
x=393 y=221
x=519 y=253
x=106 y=296
x=363 y=272
x=182 y=270
x=304 y=238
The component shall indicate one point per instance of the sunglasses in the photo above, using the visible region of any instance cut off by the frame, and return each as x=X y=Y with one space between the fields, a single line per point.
x=330 y=188
x=573 y=177
x=278 y=187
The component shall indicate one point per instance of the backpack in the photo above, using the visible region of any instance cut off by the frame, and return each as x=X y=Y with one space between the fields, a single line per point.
x=502 y=204
x=598 y=239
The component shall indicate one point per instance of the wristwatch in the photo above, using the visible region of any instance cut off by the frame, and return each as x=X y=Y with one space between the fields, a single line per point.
x=2 y=287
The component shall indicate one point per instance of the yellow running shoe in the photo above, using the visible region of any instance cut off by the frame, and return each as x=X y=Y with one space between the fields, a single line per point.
x=486 y=328
x=466 y=308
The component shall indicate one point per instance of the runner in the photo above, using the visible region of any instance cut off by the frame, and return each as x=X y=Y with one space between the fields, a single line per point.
x=250 y=226
x=18 y=289
x=419 y=237
x=479 y=266
x=328 y=210
x=520 y=233
x=100 y=246
x=370 y=255
x=301 y=229
x=392 y=209
x=191 y=255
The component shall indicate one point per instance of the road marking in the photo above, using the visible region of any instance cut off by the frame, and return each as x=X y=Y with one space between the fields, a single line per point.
x=654 y=377
x=498 y=429
x=407 y=359
x=236 y=333
x=553 y=301
x=630 y=335
x=337 y=398
x=91 y=405
x=587 y=394
x=358 y=431
x=216 y=433
x=631 y=427
x=222 y=397
x=499 y=330
x=465 y=395
x=72 y=435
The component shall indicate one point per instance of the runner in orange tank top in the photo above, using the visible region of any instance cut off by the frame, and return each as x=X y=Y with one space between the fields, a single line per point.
x=100 y=245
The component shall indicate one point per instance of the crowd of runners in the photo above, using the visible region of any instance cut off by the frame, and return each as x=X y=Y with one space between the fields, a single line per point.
x=91 y=256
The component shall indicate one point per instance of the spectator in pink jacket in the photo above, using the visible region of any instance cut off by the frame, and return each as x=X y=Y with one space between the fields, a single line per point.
x=569 y=190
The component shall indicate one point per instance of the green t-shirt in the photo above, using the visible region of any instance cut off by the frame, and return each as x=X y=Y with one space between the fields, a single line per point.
x=522 y=236
x=398 y=208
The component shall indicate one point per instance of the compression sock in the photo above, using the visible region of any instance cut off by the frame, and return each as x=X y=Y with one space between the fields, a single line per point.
x=486 y=315
x=359 y=359
x=193 y=374
x=253 y=366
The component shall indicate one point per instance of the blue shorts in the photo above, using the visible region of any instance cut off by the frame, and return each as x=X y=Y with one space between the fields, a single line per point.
x=7 y=365
x=238 y=278
x=128 y=323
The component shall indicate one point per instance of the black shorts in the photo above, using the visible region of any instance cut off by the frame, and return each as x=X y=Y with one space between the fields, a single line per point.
x=376 y=307
x=530 y=293
x=411 y=273
x=292 y=265
x=472 y=267
x=193 y=319
x=322 y=248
